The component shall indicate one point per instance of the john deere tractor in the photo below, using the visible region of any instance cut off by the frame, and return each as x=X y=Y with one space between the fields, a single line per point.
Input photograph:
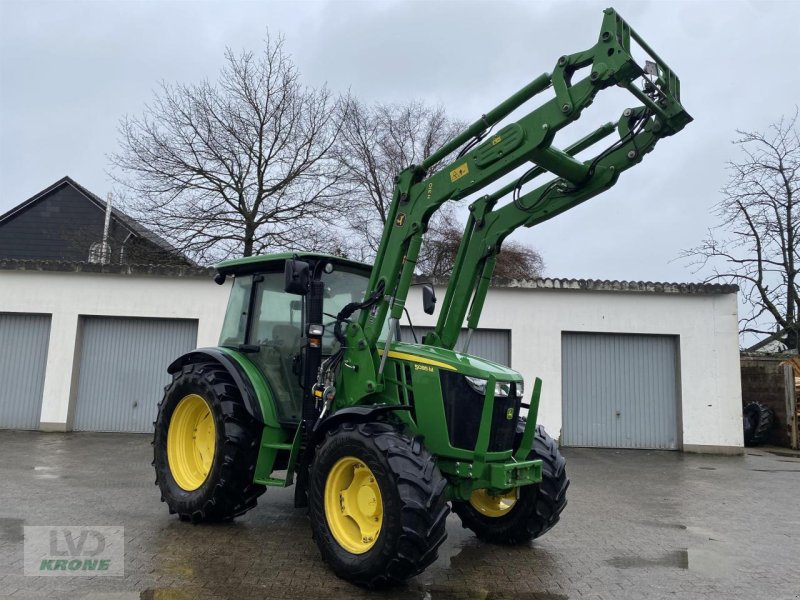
x=311 y=385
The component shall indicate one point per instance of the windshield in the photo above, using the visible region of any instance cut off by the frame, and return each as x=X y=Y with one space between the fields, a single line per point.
x=341 y=288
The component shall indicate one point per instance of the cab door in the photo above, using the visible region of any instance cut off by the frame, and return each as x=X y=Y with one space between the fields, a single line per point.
x=276 y=327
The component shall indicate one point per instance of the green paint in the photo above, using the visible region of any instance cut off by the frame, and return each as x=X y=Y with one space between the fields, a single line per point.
x=413 y=372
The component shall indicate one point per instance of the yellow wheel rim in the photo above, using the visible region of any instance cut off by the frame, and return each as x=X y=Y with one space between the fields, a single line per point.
x=353 y=505
x=191 y=441
x=493 y=505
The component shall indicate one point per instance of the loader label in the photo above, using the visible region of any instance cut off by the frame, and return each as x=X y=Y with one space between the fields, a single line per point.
x=510 y=414
x=401 y=218
x=459 y=172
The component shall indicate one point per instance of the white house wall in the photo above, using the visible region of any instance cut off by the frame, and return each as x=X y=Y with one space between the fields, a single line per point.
x=69 y=295
x=710 y=386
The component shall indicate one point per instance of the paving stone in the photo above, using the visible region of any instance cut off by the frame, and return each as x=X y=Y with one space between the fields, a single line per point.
x=639 y=524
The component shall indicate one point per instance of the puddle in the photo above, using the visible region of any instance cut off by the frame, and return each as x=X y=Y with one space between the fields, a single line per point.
x=45 y=472
x=679 y=559
x=707 y=559
x=435 y=594
x=776 y=470
x=168 y=594
x=11 y=529
x=662 y=524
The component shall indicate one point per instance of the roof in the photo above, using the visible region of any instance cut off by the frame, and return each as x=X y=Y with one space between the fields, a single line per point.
x=65 y=266
x=605 y=285
x=542 y=283
x=125 y=220
x=265 y=259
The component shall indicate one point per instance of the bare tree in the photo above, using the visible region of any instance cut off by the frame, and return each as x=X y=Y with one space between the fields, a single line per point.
x=376 y=143
x=515 y=261
x=755 y=244
x=235 y=167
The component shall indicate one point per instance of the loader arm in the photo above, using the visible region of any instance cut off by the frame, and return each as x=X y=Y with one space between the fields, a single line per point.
x=488 y=226
x=529 y=140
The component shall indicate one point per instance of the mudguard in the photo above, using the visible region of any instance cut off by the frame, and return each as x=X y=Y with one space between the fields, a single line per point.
x=236 y=371
x=352 y=414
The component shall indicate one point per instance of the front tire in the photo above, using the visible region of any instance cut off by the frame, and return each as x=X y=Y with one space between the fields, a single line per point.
x=377 y=504
x=205 y=446
x=527 y=512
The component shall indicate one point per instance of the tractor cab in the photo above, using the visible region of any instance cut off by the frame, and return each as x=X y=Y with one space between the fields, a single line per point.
x=269 y=325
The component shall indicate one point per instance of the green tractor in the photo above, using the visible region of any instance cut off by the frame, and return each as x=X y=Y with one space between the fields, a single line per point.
x=311 y=385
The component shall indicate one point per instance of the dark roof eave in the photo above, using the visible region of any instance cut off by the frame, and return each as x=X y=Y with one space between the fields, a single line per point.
x=605 y=285
x=7 y=264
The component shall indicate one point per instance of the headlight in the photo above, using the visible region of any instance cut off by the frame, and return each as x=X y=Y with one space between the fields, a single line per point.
x=520 y=389
x=501 y=388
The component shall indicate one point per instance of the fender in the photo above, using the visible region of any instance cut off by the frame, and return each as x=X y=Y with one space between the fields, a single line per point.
x=352 y=414
x=258 y=405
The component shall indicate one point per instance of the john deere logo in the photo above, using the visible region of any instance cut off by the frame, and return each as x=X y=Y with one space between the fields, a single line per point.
x=401 y=218
x=510 y=414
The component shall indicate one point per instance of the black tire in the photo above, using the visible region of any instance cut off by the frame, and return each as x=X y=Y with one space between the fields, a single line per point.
x=757 y=419
x=538 y=507
x=228 y=490
x=413 y=501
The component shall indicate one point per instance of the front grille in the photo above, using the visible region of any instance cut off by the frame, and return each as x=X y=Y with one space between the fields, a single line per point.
x=503 y=429
x=463 y=407
x=462 y=410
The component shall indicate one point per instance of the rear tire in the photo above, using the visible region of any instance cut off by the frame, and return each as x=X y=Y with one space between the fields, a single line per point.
x=534 y=510
x=221 y=488
x=409 y=520
x=758 y=418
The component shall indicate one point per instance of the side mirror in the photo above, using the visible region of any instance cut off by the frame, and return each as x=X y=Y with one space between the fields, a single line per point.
x=296 y=273
x=428 y=299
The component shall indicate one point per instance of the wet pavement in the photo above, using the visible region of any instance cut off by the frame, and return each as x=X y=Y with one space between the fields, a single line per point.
x=638 y=525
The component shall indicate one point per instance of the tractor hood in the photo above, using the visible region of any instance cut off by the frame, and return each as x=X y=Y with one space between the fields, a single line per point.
x=450 y=360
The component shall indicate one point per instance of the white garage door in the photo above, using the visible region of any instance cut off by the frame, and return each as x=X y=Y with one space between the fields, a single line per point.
x=124 y=370
x=619 y=391
x=23 y=358
x=491 y=344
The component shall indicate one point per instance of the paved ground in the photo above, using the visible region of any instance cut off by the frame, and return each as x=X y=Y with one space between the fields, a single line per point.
x=638 y=525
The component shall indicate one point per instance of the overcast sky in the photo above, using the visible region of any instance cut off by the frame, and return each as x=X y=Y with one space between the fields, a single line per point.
x=70 y=70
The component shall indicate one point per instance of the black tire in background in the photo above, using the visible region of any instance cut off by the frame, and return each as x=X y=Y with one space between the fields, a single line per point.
x=757 y=420
x=228 y=490
x=538 y=507
x=413 y=503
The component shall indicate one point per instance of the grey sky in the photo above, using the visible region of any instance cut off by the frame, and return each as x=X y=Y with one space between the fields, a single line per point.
x=70 y=70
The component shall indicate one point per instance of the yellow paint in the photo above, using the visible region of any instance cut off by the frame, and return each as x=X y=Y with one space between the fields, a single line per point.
x=401 y=218
x=191 y=442
x=459 y=172
x=417 y=359
x=493 y=506
x=353 y=505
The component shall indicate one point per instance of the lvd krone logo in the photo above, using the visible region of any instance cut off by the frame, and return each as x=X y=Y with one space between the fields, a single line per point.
x=81 y=551
x=74 y=550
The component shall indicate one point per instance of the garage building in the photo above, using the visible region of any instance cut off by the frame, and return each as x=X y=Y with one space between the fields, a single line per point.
x=84 y=347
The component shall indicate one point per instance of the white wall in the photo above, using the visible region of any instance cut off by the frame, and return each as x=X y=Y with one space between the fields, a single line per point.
x=69 y=295
x=706 y=326
x=711 y=407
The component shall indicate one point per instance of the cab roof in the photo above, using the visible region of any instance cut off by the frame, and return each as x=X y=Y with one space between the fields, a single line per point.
x=274 y=262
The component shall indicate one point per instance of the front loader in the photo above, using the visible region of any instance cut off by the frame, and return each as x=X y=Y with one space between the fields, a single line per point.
x=311 y=385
